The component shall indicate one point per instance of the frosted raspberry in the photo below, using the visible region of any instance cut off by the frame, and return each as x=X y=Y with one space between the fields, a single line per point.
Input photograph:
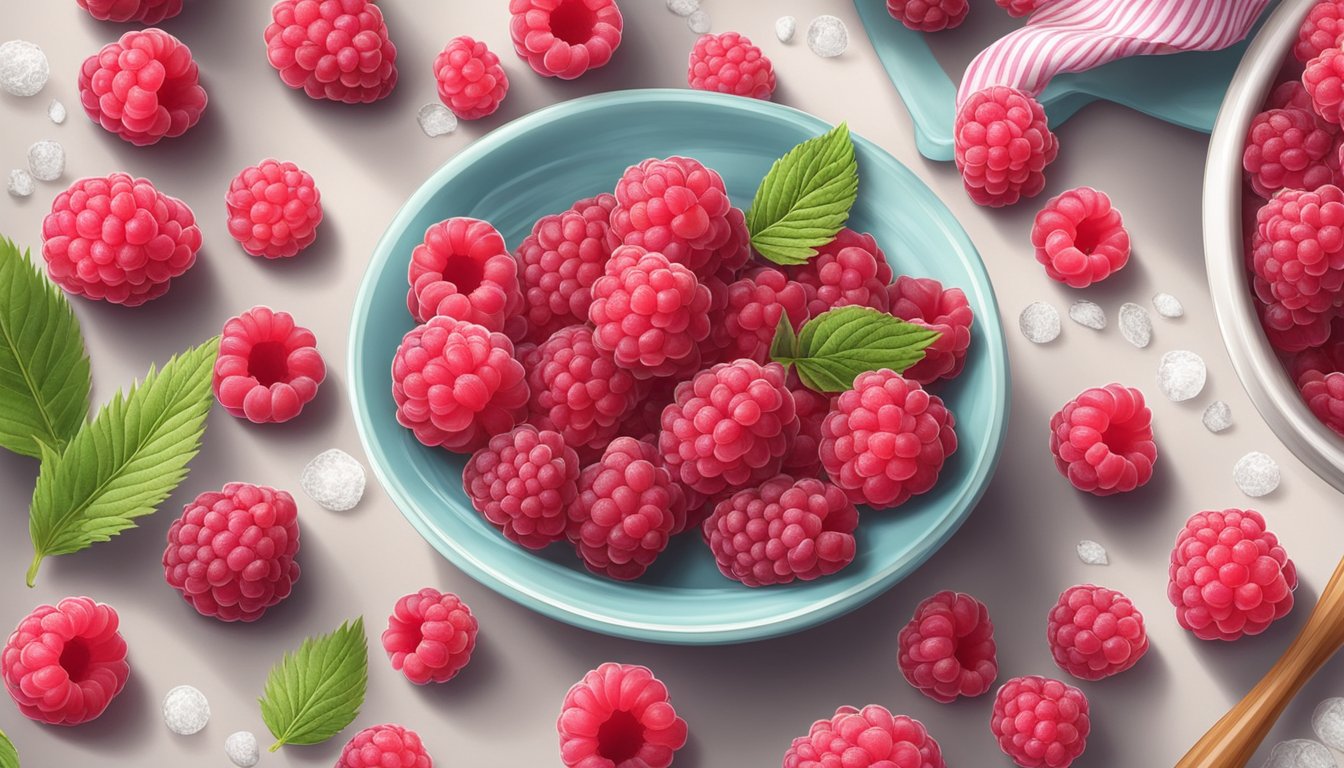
x=848 y=271
x=947 y=650
x=1322 y=79
x=1320 y=30
x=1289 y=148
x=1003 y=145
x=578 y=390
x=1300 y=250
x=1324 y=395
x=1040 y=722
x=872 y=736
x=1102 y=440
x=457 y=384
x=471 y=82
x=1017 y=8
x=523 y=483
x=118 y=239
x=1080 y=238
x=384 y=745
x=559 y=262
x=143 y=87
x=729 y=63
x=925 y=302
x=268 y=366
x=619 y=716
x=649 y=313
x=430 y=636
x=274 y=209
x=1290 y=93
x=804 y=456
x=1229 y=576
x=231 y=553
x=729 y=427
x=626 y=509
x=676 y=207
x=929 y=15
x=755 y=305
x=64 y=664
x=886 y=439
x=147 y=12
x=565 y=38
x=1095 y=632
x=332 y=49
x=463 y=270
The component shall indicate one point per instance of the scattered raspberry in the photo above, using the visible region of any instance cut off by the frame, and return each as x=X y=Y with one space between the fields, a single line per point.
x=804 y=456
x=148 y=12
x=565 y=38
x=1102 y=440
x=231 y=553
x=268 y=367
x=1319 y=31
x=143 y=87
x=1003 y=145
x=523 y=482
x=619 y=715
x=332 y=49
x=1016 y=8
x=382 y=746
x=1299 y=253
x=923 y=301
x=1289 y=148
x=118 y=239
x=886 y=439
x=849 y=271
x=1040 y=722
x=471 y=82
x=457 y=384
x=274 y=209
x=559 y=262
x=754 y=307
x=1080 y=238
x=929 y=15
x=1229 y=576
x=430 y=636
x=65 y=663
x=729 y=63
x=1095 y=632
x=578 y=390
x=1322 y=79
x=462 y=270
x=947 y=650
x=1290 y=93
x=650 y=313
x=868 y=737
x=676 y=207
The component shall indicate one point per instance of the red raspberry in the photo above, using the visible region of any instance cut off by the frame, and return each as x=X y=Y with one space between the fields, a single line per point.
x=384 y=745
x=1003 y=145
x=578 y=390
x=463 y=270
x=754 y=306
x=147 y=12
x=1320 y=30
x=1080 y=238
x=1323 y=81
x=886 y=439
x=332 y=49
x=268 y=367
x=804 y=456
x=676 y=207
x=1290 y=93
x=1288 y=330
x=947 y=650
x=646 y=418
x=565 y=38
x=119 y=239
x=430 y=636
x=1102 y=440
x=1300 y=250
x=924 y=302
x=523 y=482
x=231 y=553
x=1229 y=576
x=729 y=63
x=1324 y=395
x=65 y=663
x=559 y=262
x=457 y=384
x=625 y=511
x=471 y=82
x=868 y=737
x=650 y=313
x=929 y=15
x=1095 y=632
x=1016 y=8
x=729 y=427
x=274 y=209
x=848 y=271
x=619 y=715
x=143 y=87
x=1289 y=148
x=1040 y=722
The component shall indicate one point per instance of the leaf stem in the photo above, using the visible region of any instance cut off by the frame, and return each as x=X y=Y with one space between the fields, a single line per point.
x=276 y=746
x=32 y=569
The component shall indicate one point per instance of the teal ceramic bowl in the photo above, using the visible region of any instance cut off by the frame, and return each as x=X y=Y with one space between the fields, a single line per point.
x=541 y=163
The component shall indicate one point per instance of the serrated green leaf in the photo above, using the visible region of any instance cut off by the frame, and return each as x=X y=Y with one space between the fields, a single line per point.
x=125 y=462
x=784 y=346
x=9 y=756
x=316 y=691
x=804 y=200
x=44 y=370
x=839 y=344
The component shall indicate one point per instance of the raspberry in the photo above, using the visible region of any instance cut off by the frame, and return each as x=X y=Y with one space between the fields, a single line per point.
x=1324 y=395
x=1102 y=440
x=523 y=482
x=804 y=456
x=1320 y=30
x=754 y=306
x=268 y=367
x=231 y=553
x=929 y=15
x=578 y=390
x=1289 y=148
x=625 y=511
x=676 y=207
x=923 y=301
x=559 y=262
x=729 y=427
x=872 y=736
x=430 y=636
x=1017 y=8
x=1288 y=330
x=1300 y=253
x=1322 y=79
x=1080 y=238
x=619 y=715
x=729 y=63
x=1290 y=93
x=471 y=82
x=147 y=12
x=384 y=745
x=1229 y=576
x=1040 y=722
x=886 y=439
x=649 y=313
x=1095 y=632
x=274 y=209
x=118 y=239
x=462 y=270
x=143 y=87
x=646 y=418
x=848 y=271
x=332 y=49
x=947 y=650
x=1003 y=145
x=565 y=38
x=457 y=384
x=65 y=663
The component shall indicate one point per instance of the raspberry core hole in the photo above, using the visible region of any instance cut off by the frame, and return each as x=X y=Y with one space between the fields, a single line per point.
x=75 y=660
x=464 y=272
x=1088 y=234
x=620 y=737
x=268 y=363
x=1121 y=437
x=573 y=22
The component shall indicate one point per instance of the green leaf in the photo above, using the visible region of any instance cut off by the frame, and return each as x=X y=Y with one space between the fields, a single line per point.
x=805 y=198
x=316 y=691
x=44 y=370
x=9 y=756
x=839 y=344
x=125 y=462
x=784 y=347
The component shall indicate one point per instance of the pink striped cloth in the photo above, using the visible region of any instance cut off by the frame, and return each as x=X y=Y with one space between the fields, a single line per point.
x=1077 y=35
